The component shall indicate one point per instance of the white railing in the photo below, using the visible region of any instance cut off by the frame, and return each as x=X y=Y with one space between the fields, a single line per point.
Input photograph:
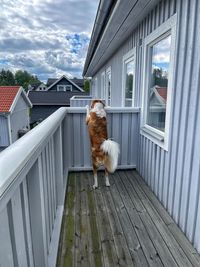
x=32 y=182
x=80 y=101
x=33 y=178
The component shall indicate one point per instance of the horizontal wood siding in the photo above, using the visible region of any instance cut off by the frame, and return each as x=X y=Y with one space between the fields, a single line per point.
x=174 y=176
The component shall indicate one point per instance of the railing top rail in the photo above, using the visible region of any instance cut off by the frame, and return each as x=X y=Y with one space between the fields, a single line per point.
x=15 y=157
x=80 y=97
x=108 y=110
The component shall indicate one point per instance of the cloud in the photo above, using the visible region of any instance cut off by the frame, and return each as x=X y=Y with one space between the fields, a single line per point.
x=46 y=37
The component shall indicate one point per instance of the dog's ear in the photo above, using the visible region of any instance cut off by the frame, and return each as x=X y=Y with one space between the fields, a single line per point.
x=93 y=103
x=102 y=102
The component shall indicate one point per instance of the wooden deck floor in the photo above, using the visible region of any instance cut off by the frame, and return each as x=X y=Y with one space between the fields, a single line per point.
x=124 y=225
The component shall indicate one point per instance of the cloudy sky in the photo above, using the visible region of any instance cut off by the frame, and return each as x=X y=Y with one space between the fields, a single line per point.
x=47 y=38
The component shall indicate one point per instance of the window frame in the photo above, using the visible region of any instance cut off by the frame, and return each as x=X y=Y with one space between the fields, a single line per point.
x=131 y=55
x=164 y=30
x=65 y=87
x=103 y=85
x=108 y=70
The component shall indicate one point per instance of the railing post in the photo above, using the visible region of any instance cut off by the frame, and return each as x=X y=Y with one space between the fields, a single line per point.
x=37 y=213
x=58 y=146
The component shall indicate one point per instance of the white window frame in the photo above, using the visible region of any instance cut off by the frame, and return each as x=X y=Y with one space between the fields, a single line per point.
x=108 y=71
x=95 y=90
x=164 y=30
x=103 y=85
x=130 y=56
x=64 y=87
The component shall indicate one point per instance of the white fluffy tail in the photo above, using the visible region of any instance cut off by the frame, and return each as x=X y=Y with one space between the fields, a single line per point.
x=112 y=149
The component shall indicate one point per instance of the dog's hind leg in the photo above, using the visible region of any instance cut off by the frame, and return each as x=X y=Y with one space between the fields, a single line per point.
x=95 y=177
x=107 y=178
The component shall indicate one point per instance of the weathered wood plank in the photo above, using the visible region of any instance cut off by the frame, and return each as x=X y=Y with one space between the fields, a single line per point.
x=66 y=255
x=124 y=225
x=124 y=257
x=173 y=246
x=191 y=253
x=128 y=230
x=107 y=242
x=84 y=230
x=154 y=235
x=150 y=252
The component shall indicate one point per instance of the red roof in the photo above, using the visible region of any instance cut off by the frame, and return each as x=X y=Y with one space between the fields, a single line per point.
x=162 y=91
x=7 y=96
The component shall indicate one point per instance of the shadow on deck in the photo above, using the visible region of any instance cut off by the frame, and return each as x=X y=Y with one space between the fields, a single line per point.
x=124 y=225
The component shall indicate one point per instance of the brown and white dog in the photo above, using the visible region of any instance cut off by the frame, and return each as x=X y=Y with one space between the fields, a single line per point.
x=104 y=151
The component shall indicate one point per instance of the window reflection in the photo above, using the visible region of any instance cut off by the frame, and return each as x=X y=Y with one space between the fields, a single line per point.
x=158 y=83
x=129 y=83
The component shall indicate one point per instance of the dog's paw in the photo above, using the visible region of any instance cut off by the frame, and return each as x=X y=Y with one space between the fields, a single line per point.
x=107 y=184
x=87 y=107
x=94 y=186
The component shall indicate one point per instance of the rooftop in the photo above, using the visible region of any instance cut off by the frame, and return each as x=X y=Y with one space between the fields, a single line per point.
x=7 y=96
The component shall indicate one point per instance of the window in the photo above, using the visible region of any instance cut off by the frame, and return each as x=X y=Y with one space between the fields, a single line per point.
x=63 y=88
x=68 y=87
x=108 y=87
x=128 y=79
x=95 y=88
x=158 y=70
x=103 y=93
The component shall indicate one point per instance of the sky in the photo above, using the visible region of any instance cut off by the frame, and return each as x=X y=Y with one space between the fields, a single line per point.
x=47 y=38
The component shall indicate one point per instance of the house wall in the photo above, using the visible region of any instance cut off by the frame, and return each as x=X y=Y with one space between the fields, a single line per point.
x=173 y=175
x=63 y=82
x=4 y=135
x=19 y=119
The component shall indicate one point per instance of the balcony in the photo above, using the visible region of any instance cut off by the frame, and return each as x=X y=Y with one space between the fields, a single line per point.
x=128 y=222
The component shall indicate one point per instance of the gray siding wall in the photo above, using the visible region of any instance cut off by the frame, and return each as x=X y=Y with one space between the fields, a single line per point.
x=174 y=176
x=4 y=135
x=63 y=82
x=19 y=118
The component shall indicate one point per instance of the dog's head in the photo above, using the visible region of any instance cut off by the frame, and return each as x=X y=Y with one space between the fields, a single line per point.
x=97 y=103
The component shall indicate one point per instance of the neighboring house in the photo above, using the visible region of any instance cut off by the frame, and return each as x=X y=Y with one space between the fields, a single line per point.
x=37 y=87
x=146 y=54
x=14 y=114
x=57 y=94
x=55 y=84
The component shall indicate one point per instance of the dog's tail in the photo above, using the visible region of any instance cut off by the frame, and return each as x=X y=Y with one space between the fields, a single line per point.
x=110 y=148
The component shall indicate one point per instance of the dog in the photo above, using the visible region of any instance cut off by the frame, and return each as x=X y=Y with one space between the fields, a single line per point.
x=104 y=151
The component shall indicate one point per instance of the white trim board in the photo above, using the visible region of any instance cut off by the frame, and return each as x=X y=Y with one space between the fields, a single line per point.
x=165 y=29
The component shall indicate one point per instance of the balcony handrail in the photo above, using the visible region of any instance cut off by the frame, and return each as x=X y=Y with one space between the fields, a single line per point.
x=81 y=97
x=108 y=110
x=16 y=156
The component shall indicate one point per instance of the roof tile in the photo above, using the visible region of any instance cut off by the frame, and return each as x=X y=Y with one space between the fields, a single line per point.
x=7 y=96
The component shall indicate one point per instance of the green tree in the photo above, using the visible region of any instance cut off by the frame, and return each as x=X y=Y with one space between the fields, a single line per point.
x=23 y=78
x=87 y=85
x=6 y=78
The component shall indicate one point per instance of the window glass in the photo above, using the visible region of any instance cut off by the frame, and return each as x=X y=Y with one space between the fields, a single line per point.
x=129 y=83
x=61 y=88
x=108 y=87
x=158 y=83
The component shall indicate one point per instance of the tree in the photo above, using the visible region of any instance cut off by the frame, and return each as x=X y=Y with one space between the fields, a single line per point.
x=7 y=78
x=87 y=85
x=23 y=78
